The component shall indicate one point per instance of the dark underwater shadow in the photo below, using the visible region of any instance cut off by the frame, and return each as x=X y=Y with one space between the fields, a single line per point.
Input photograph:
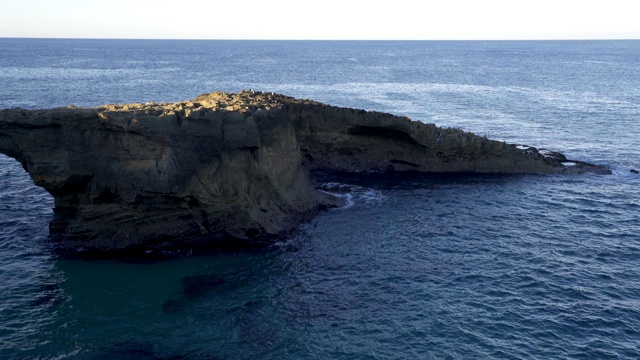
x=168 y=249
x=194 y=287
x=408 y=180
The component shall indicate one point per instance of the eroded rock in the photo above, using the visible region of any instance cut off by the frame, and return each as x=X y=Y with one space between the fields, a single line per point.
x=226 y=166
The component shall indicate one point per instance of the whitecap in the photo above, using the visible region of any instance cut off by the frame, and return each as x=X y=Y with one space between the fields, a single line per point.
x=353 y=194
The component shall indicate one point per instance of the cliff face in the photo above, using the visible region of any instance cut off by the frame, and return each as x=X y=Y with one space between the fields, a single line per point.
x=134 y=174
x=224 y=165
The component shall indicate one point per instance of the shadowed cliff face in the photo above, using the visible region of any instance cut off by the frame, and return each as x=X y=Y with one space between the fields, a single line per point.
x=356 y=140
x=225 y=165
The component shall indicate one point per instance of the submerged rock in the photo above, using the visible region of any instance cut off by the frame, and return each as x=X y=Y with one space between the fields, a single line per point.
x=226 y=166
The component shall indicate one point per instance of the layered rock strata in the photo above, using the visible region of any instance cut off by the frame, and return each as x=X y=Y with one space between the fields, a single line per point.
x=232 y=166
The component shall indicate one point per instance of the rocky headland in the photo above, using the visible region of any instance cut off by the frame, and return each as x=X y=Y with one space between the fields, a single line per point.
x=229 y=167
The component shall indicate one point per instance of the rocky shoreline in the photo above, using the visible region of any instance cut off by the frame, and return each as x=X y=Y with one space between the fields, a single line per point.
x=227 y=167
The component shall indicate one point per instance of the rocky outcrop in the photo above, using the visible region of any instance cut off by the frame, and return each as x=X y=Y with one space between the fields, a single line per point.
x=343 y=139
x=226 y=166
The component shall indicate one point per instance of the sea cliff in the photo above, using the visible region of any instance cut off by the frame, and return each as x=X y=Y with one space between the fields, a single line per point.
x=229 y=167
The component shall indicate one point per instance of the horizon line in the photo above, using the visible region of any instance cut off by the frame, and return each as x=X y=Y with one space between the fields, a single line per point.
x=631 y=38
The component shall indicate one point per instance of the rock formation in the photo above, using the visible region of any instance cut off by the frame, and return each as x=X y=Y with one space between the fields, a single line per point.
x=232 y=166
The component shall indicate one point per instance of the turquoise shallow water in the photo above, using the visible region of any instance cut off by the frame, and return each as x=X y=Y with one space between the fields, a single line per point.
x=414 y=267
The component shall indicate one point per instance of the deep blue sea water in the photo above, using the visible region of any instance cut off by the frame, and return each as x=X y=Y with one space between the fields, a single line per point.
x=503 y=267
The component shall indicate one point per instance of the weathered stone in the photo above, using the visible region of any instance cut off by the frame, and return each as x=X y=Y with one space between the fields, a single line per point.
x=232 y=166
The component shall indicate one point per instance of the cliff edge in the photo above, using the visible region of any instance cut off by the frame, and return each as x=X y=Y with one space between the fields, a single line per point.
x=225 y=165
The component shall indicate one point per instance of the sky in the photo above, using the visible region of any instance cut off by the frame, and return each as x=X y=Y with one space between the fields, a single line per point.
x=322 y=20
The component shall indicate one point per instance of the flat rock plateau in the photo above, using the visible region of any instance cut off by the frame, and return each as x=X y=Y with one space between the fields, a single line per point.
x=227 y=167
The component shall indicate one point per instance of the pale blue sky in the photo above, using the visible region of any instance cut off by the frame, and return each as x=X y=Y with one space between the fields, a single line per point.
x=327 y=19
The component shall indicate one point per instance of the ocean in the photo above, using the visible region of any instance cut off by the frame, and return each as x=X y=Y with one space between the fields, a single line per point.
x=414 y=267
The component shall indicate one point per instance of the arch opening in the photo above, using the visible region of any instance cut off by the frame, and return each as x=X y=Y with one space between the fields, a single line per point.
x=25 y=209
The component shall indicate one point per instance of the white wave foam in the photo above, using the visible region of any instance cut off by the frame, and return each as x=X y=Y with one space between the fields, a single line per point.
x=353 y=194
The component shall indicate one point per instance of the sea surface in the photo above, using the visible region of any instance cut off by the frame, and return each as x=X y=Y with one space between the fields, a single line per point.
x=414 y=267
